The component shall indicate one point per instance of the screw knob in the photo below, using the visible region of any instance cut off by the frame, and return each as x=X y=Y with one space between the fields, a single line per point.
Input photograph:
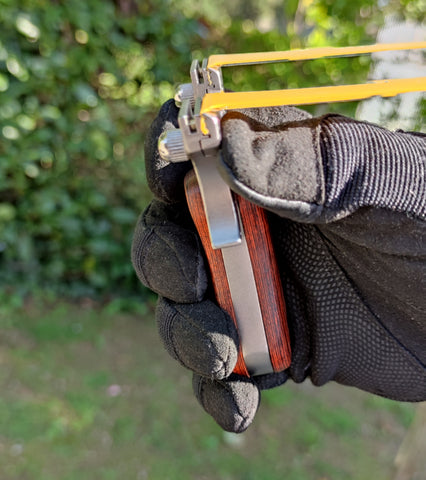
x=171 y=147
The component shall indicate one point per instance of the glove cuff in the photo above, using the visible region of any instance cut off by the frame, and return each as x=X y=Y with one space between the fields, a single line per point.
x=368 y=166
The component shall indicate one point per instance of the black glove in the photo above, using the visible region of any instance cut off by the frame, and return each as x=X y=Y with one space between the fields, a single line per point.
x=348 y=225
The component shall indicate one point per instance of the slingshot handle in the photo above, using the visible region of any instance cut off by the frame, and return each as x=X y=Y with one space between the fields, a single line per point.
x=265 y=270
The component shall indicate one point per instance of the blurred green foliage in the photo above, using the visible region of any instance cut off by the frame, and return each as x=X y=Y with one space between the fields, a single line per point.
x=79 y=84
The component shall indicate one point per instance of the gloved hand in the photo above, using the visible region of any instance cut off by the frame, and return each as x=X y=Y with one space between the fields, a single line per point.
x=348 y=208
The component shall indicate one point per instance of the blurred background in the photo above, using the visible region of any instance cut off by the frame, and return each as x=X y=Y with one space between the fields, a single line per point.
x=86 y=390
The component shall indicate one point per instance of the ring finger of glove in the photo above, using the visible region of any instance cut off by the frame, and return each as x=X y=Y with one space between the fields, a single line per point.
x=201 y=336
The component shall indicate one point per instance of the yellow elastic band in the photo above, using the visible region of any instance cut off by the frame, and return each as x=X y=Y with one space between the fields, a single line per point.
x=227 y=60
x=307 y=96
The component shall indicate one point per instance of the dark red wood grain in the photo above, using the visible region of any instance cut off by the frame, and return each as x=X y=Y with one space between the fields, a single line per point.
x=268 y=283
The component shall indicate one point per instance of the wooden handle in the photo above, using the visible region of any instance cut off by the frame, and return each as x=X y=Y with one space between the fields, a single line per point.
x=267 y=279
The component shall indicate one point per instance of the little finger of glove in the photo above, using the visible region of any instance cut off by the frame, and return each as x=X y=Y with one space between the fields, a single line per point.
x=232 y=403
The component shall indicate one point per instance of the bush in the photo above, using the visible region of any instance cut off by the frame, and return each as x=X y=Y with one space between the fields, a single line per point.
x=81 y=81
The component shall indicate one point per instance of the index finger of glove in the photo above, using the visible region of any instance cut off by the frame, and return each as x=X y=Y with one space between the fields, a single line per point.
x=165 y=179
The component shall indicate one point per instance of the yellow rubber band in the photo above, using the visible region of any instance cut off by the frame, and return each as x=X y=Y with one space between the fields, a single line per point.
x=307 y=96
x=233 y=59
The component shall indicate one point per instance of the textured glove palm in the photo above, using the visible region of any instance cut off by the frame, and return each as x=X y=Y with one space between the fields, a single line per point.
x=348 y=223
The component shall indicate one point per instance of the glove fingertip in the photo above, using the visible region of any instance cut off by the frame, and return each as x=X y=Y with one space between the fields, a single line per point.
x=232 y=403
x=168 y=258
x=200 y=336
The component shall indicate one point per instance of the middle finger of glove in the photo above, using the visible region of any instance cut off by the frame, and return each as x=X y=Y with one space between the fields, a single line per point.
x=167 y=254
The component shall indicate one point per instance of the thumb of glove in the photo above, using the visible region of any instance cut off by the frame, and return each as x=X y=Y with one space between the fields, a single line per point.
x=323 y=169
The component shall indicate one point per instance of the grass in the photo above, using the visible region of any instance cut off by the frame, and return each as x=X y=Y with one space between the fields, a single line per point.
x=89 y=393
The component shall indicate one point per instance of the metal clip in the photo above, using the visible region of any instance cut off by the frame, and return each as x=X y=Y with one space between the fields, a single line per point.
x=203 y=150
